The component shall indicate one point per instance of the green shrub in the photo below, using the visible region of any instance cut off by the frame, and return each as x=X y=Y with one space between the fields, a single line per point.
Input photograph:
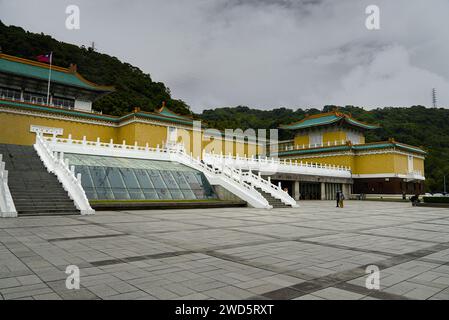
x=436 y=200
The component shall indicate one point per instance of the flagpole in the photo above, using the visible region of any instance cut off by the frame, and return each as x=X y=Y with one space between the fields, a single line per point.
x=49 y=77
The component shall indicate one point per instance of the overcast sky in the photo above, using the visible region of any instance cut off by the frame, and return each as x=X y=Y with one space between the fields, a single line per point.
x=264 y=53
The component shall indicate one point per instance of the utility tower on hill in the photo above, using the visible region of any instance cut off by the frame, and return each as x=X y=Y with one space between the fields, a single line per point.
x=434 y=97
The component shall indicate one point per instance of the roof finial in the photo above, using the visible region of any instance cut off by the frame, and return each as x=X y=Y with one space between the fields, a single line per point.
x=72 y=67
x=163 y=104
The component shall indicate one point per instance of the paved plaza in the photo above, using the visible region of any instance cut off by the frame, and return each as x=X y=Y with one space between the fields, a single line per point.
x=316 y=251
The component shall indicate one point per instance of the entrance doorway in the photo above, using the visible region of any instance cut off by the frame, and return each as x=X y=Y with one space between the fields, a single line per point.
x=310 y=190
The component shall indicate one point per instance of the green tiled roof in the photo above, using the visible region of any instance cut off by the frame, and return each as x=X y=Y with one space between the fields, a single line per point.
x=165 y=117
x=325 y=120
x=40 y=71
x=368 y=146
x=75 y=113
x=168 y=113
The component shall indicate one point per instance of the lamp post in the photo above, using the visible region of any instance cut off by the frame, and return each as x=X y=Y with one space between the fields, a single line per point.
x=444 y=182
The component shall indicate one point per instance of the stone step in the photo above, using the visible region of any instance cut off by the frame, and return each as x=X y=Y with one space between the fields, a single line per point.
x=35 y=191
x=272 y=201
x=48 y=213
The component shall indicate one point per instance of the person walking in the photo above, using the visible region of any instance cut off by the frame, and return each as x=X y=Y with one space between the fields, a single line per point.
x=342 y=197
x=337 y=197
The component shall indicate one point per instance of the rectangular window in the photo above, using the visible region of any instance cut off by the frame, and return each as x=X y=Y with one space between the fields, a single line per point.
x=172 y=134
x=410 y=164
x=316 y=139
x=354 y=137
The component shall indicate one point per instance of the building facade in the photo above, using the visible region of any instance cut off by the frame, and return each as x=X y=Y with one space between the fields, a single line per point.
x=164 y=156
x=378 y=168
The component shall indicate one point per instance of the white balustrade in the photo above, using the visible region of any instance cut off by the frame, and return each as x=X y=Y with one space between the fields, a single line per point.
x=7 y=208
x=172 y=152
x=267 y=186
x=271 y=165
x=65 y=175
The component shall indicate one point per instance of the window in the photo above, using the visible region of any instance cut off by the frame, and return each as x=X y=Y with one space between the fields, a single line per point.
x=9 y=94
x=63 y=102
x=172 y=135
x=316 y=138
x=118 y=178
x=354 y=137
x=35 y=98
x=410 y=164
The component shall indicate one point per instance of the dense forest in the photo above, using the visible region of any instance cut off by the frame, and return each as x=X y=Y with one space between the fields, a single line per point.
x=417 y=125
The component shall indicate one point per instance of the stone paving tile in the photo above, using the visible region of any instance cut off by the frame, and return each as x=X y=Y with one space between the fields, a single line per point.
x=311 y=252
x=337 y=294
x=207 y=238
x=282 y=231
x=371 y=242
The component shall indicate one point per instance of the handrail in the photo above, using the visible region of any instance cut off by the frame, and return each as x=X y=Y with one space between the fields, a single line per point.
x=290 y=145
x=269 y=187
x=272 y=164
x=65 y=175
x=277 y=161
x=265 y=185
x=7 y=207
x=252 y=196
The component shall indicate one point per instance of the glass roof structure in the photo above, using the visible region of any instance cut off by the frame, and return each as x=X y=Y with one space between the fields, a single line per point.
x=111 y=178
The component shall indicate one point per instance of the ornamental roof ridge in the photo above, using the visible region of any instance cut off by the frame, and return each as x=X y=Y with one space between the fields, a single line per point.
x=71 y=71
x=332 y=117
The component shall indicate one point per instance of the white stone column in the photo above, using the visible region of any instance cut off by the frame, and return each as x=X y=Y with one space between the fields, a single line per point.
x=296 y=190
x=323 y=191
x=346 y=190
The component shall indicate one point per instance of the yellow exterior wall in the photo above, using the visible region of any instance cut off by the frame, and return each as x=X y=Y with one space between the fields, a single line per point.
x=149 y=133
x=301 y=140
x=418 y=164
x=126 y=133
x=334 y=136
x=15 y=129
x=362 y=139
x=369 y=164
x=400 y=163
x=374 y=163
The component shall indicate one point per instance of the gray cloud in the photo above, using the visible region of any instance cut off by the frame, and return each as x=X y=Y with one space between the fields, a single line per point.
x=265 y=53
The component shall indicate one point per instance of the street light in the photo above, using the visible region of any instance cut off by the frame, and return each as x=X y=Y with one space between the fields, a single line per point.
x=444 y=182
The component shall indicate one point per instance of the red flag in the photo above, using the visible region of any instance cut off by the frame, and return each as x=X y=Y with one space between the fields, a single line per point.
x=44 y=58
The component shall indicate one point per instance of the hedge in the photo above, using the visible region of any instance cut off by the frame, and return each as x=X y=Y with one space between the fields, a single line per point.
x=436 y=199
